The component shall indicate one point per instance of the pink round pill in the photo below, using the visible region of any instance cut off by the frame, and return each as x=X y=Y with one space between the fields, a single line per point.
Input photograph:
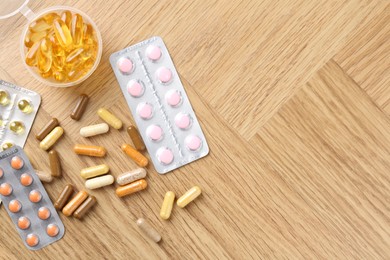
x=183 y=121
x=154 y=132
x=193 y=142
x=125 y=65
x=164 y=74
x=135 y=88
x=153 y=52
x=165 y=155
x=145 y=110
x=173 y=98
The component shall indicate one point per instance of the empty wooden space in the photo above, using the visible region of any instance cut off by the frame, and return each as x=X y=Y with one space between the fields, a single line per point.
x=294 y=100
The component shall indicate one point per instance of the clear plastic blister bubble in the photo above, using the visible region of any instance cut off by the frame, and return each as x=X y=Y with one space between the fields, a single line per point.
x=27 y=202
x=18 y=108
x=159 y=104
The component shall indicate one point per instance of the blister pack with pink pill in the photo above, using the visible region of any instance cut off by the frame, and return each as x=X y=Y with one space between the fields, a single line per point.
x=159 y=104
x=27 y=202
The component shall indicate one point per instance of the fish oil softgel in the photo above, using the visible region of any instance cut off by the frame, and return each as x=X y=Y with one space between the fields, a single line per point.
x=61 y=46
x=18 y=108
x=27 y=202
x=159 y=104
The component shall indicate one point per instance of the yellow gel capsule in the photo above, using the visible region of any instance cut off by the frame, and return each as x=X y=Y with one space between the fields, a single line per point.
x=109 y=118
x=27 y=41
x=51 y=138
x=25 y=106
x=88 y=34
x=166 y=208
x=46 y=74
x=39 y=25
x=66 y=16
x=94 y=171
x=59 y=76
x=44 y=56
x=57 y=49
x=189 y=196
x=77 y=30
x=58 y=63
x=62 y=33
x=4 y=98
x=74 y=58
x=37 y=36
x=74 y=74
x=31 y=56
x=6 y=145
x=49 y=18
x=17 y=127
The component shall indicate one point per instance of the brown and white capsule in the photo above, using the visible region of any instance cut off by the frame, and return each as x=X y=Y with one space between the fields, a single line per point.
x=148 y=230
x=80 y=107
x=128 y=177
x=47 y=128
x=55 y=163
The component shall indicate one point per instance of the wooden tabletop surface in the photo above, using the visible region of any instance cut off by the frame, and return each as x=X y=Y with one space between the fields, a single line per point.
x=294 y=100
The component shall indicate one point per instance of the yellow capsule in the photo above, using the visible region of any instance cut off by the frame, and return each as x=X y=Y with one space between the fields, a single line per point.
x=57 y=49
x=46 y=74
x=44 y=56
x=88 y=34
x=58 y=63
x=17 y=127
x=4 y=98
x=51 y=138
x=27 y=40
x=88 y=52
x=74 y=58
x=166 y=208
x=37 y=36
x=109 y=118
x=94 y=171
x=25 y=106
x=66 y=16
x=62 y=33
x=31 y=56
x=77 y=30
x=6 y=145
x=39 y=25
x=59 y=76
x=189 y=196
x=74 y=74
x=49 y=18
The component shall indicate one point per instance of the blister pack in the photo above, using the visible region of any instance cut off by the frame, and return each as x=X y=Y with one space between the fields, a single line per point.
x=27 y=202
x=18 y=108
x=159 y=104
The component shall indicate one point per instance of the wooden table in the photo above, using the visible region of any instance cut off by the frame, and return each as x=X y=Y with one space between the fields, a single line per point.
x=294 y=99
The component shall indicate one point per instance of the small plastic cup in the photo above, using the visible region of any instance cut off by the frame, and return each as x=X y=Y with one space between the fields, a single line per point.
x=12 y=7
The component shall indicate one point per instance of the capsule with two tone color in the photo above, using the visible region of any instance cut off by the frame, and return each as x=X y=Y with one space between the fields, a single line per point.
x=51 y=138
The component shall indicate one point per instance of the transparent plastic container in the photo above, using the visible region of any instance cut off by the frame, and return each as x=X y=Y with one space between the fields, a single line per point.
x=12 y=7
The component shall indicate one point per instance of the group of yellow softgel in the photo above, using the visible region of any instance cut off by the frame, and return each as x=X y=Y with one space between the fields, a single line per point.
x=62 y=47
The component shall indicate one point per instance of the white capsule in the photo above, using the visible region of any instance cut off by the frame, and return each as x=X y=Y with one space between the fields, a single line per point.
x=93 y=130
x=99 y=182
x=128 y=177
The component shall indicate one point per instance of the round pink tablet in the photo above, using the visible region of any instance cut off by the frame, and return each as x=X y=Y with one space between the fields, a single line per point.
x=164 y=74
x=173 y=98
x=125 y=65
x=183 y=121
x=135 y=88
x=154 y=132
x=193 y=142
x=153 y=52
x=164 y=155
x=145 y=110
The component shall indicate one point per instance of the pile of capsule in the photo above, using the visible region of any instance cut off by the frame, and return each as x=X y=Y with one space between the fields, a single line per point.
x=61 y=46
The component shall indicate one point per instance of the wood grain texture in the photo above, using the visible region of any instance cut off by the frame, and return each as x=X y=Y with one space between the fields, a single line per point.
x=299 y=144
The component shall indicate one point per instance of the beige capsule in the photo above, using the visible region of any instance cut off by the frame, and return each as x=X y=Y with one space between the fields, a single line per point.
x=99 y=182
x=166 y=208
x=128 y=177
x=110 y=119
x=148 y=230
x=189 y=196
x=43 y=176
x=94 y=171
x=51 y=138
x=93 y=130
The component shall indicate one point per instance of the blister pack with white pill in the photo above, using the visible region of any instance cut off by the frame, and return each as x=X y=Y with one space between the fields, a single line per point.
x=27 y=202
x=159 y=104
x=18 y=108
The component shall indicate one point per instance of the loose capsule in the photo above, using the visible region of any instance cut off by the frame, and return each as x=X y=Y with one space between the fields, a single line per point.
x=85 y=207
x=80 y=107
x=109 y=118
x=4 y=98
x=90 y=150
x=64 y=196
x=99 y=182
x=25 y=106
x=44 y=56
x=47 y=129
x=148 y=230
x=166 y=208
x=31 y=56
x=136 y=138
x=77 y=30
x=94 y=171
x=17 y=127
x=137 y=157
x=55 y=163
x=189 y=196
x=131 y=188
x=128 y=177
x=51 y=138
x=62 y=33
x=43 y=176
x=74 y=203
x=93 y=130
